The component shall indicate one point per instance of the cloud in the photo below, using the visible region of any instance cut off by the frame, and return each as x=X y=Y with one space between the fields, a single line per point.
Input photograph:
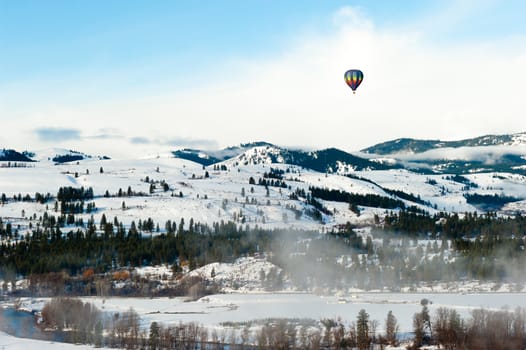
x=176 y=142
x=348 y=16
x=184 y=142
x=140 y=140
x=106 y=134
x=485 y=154
x=57 y=134
x=413 y=87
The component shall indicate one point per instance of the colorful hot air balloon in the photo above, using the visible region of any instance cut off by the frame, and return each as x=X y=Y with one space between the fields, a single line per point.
x=353 y=78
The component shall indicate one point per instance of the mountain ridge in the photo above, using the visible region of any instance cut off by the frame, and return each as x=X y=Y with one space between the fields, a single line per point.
x=481 y=154
x=411 y=145
x=498 y=153
x=324 y=160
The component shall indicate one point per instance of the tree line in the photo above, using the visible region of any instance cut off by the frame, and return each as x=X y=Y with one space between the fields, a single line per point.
x=482 y=330
x=310 y=260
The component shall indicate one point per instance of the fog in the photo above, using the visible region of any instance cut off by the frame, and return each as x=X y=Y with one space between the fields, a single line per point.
x=391 y=261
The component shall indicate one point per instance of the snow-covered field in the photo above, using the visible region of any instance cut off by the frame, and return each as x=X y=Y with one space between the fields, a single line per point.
x=8 y=342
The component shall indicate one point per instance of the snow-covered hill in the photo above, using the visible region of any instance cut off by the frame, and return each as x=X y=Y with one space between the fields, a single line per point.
x=264 y=185
x=245 y=274
x=61 y=155
x=501 y=153
x=411 y=146
x=175 y=189
x=10 y=155
x=326 y=160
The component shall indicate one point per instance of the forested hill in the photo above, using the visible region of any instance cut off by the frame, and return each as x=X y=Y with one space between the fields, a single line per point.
x=10 y=155
x=408 y=145
x=502 y=153
x=326 y=160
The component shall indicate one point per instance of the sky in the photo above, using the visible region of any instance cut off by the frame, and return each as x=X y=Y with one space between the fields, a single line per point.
x=131 y=78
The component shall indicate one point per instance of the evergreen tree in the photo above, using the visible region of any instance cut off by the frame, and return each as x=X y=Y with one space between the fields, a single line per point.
x=362 y=330
x=154 y=338
x=103 y=221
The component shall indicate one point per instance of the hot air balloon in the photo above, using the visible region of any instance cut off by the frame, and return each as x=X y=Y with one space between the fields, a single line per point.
x=353 y=78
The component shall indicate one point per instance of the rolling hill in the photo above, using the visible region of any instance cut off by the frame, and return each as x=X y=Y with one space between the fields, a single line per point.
x=271 y=186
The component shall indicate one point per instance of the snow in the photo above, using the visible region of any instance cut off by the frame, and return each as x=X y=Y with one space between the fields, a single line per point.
x=243 y=275
x=204 y=198
x=213 y=310
x=155 y=272
x=209 y=200
x=9 y=342
x=49 y=153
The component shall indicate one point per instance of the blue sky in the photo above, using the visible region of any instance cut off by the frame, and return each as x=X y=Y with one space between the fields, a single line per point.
x=50 y=39
x=176 y=73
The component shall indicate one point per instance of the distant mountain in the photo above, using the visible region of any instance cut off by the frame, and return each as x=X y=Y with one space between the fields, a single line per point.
x=328 y=160
x=10 y=155
x=331 y=160
x=211 y=157
x=497 y=153
x=408 y=145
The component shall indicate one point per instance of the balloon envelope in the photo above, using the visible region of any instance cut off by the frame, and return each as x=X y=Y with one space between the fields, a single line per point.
x=353 y=78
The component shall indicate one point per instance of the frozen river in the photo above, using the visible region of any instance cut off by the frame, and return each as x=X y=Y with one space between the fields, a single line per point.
x=211 y=311
x=216 y=309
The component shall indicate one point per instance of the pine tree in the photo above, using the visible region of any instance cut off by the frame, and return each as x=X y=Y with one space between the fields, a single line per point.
x=103 y=221
x=362 y=330
x=153 y=340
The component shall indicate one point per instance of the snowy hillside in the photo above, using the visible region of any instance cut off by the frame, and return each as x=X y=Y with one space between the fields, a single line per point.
x=406 y=145
x=503 y=153
x=255 y=187
x=245 y=274
x=61 y=155
x=10 y=155
x=326 y=160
